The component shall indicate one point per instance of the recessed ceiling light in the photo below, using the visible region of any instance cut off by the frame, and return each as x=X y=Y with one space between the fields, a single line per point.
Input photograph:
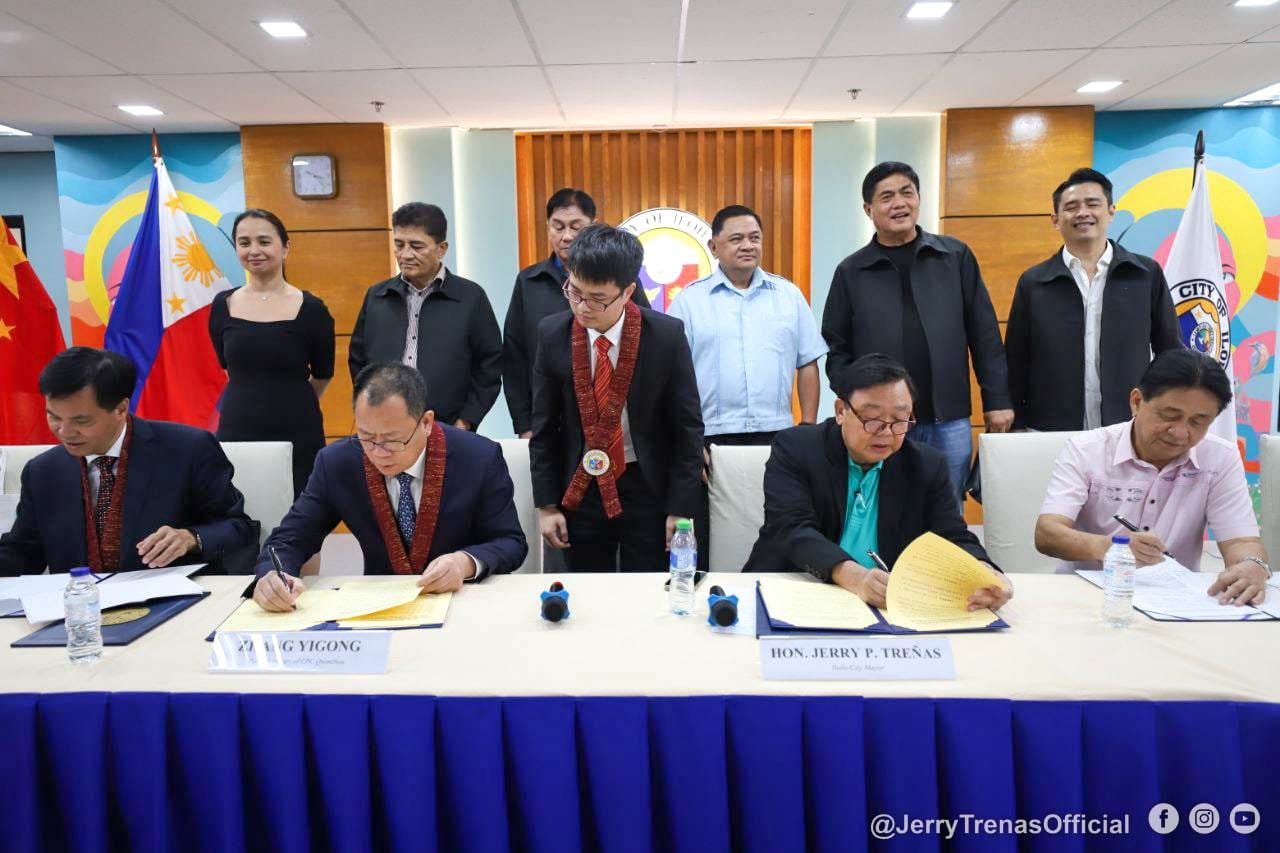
x=929 y=11
x=140 y=110
x=5 y=130
x=1267 y=95
x=1248 y=3
x=283 y=29
x=1099 y=86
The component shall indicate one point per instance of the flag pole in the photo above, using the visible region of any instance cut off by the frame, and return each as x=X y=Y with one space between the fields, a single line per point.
x=155 y=145
x=1199 y=157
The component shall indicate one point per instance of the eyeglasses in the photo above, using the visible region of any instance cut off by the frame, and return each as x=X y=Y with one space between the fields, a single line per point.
x=572 y=294
x=875 y=425
x=391 y=445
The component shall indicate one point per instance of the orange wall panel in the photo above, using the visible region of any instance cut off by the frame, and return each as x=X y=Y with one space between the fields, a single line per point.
x=364 y=258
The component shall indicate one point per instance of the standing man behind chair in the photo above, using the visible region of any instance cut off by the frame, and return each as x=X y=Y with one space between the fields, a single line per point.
x=432 y=320
x=1085 y=322
x=121 y=493
x=919 y=297
x=616 y=452
x=538 y=293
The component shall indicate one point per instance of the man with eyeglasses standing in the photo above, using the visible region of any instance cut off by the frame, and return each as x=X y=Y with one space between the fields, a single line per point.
x=834 y=491
x=421 y=497
x=616 y=450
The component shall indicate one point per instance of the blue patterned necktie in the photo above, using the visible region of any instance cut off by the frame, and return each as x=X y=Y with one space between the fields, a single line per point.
x=406 y=512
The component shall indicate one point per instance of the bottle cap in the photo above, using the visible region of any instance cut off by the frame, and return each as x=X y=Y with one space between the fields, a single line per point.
x=684 y=524
x=1119 y=540
x=80 y=571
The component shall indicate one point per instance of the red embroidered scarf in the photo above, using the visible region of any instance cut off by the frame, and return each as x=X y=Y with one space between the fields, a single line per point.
x=104 y=556
x=424 y=529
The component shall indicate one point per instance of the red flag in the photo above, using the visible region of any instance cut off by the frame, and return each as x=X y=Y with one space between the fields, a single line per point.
x=30 y=335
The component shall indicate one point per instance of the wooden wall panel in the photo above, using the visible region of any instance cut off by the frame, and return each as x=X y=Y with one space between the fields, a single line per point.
x=336 y=402
x=767 y=169
x=366 y=259
x=1005 y=246
x=1008 y=161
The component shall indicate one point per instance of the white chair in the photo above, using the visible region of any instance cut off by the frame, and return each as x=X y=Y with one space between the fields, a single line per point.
x=1270 y=458
x=516 y=452
x=737 y=504
x=1015 y=474
x=263 y=474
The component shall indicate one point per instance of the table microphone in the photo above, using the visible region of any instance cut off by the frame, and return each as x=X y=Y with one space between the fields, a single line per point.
x=555 y=603
x=724 y=608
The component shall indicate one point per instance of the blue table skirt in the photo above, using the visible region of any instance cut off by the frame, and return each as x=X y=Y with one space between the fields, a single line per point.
x=227 y=772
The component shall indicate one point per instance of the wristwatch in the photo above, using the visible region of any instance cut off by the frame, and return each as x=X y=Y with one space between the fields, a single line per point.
x=200 y=545
x=1261 y=562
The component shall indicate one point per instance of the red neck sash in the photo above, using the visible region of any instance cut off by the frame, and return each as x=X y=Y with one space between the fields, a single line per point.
x=424 y=529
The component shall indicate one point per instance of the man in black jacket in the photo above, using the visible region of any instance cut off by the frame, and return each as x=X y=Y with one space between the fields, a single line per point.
x=835 y=490
x=1084 y=323
x=919 y=298
x=536 y=296
x=432 y=320
x=616 y=452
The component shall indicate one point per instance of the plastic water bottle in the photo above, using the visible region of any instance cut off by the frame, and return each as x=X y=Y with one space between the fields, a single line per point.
x=684 y=562
x=1117 y=583
x=83 y=618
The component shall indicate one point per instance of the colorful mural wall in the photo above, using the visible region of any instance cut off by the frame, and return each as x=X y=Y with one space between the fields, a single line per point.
x=1148 y=156
x=102 y=186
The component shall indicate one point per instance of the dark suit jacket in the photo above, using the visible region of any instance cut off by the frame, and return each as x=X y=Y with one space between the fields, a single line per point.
x=1045 y=339
x=663 y=413
x=459 y=343
x=806 y=493
x=178 y=476
x=477 y=512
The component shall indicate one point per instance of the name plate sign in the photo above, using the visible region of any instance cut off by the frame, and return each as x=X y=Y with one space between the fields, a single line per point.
x=857 y=659
x=329 y=652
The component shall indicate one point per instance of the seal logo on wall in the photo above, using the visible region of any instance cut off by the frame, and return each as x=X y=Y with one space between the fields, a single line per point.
x=1203 y=318
x=675 y=251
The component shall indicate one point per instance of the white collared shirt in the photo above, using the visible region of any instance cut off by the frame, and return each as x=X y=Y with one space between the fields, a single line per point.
x=413 y=303
x=94 y=475
x=614 y=334
x=417 y=470
x=1091 y=295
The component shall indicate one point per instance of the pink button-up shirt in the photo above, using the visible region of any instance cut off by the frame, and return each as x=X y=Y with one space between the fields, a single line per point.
x=1097 y=476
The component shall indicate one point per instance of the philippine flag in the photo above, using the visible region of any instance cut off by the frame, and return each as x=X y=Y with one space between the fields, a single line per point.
x=160 y=318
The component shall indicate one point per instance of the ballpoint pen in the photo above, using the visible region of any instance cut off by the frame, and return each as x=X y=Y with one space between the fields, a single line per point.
x=875 y=558
x=275 y=561
x=1133 y=528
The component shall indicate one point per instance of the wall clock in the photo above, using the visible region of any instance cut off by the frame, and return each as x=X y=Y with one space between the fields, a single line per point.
x=315 y=176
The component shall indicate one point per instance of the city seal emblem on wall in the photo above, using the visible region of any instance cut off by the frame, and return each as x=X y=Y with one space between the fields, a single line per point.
x=1203 y=318
x=675 y=251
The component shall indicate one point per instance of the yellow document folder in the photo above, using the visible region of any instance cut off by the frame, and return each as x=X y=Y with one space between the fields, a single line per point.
x=358 y=604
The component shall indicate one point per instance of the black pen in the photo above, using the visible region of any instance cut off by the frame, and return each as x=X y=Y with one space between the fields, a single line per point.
x=1133 y=528
x=875 y=558
x=275 y=561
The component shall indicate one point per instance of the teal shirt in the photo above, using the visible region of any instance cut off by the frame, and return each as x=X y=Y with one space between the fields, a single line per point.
x=862 y=513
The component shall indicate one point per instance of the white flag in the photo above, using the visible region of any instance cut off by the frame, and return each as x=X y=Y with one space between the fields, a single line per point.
x=1194 y=273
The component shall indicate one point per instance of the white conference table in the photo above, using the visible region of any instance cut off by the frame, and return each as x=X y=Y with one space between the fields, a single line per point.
x=621 y=641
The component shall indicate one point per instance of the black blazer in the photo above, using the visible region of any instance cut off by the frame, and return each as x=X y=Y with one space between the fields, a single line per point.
x=536 y=296
x=459 y=343
x=178 y=476
x=477 y=509
x=806 y=493
x=663 y=413
x=1045 y=339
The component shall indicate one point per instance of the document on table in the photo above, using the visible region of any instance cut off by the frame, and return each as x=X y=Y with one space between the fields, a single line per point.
x=1169 y=589
x=428 y=609
x=317 y=606
x=40 y=596
x=930 y=585
x=806 y=604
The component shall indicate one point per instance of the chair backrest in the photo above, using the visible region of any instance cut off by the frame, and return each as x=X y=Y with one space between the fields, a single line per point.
x=263 y=474
x=1270 y=459
x=1015 y=473
x=516 y=452
x=737 y=504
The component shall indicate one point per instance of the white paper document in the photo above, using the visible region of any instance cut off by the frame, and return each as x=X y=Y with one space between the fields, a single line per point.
x=41 y=595
x=1169 y=589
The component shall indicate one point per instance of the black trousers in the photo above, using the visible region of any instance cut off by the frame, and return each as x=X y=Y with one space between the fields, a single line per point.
x=635 y=541
x=702 y=520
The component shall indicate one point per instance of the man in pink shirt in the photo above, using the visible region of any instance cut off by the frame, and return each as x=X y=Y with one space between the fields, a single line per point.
x=1166 y=475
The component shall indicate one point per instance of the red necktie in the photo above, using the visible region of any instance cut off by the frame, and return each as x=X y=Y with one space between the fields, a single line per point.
x=603 y=379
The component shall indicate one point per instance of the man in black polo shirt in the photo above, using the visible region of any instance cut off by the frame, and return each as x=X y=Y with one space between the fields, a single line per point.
x=432 y=320
x=538 y=294
x=1068 y=368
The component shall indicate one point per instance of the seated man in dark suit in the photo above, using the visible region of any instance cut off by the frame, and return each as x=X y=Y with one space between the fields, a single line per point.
x=421 y=498
x=122 y=493
x=616 y=451
x=834 y=491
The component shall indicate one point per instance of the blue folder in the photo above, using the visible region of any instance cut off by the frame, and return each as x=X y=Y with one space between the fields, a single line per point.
x=769 y=627
x=134 y=621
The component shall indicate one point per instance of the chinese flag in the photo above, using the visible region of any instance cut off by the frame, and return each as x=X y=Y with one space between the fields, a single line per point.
x=30 y=335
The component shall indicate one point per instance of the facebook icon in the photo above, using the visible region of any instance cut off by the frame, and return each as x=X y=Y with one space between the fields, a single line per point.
x=1163 y=818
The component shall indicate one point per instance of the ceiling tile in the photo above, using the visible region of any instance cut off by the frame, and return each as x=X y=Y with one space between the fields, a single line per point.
x=749 y=29
x=1236 y=71
x=446 y=32
x=493 y=97
x=27 y=52
x=36 y=114
x=737 y=91
x=102 y=95
x=988 y=79
x=348 y=95
x=1139 y=68
x=1199 y=22
x=602 y=31
x=244 y=98
x=881 y=26
x=589 y=93
x=1034 y=24
x=885 y=82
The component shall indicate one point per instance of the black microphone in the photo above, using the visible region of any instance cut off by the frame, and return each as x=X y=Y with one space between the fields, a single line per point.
x=555 y=603
x=724 y=611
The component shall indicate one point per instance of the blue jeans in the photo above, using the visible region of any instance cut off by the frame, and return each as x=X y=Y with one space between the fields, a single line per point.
x=955 y=440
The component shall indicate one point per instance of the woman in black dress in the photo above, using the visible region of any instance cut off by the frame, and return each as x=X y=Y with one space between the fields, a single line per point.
x=276 y=344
